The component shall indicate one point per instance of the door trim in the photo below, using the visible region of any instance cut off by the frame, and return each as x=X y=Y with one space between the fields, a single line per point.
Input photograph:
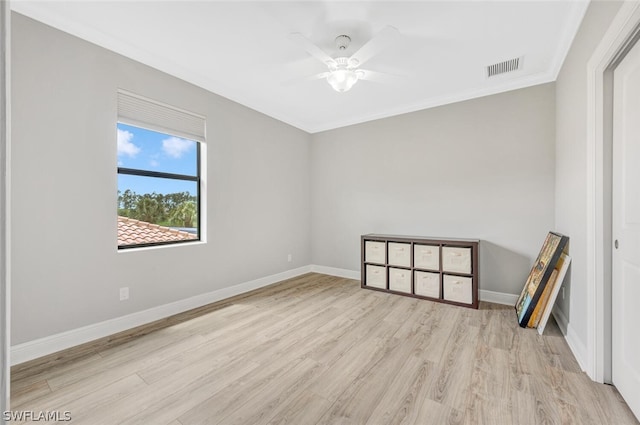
x=615 y=40
x=5 y=138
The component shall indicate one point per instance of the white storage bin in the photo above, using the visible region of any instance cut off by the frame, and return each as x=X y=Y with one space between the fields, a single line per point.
x=456 y=260
x=427 y=284
x=376 y=277
x=457 y=288
x=400 y=254
x=400 y=280
x=426 y=257
x=375 y=252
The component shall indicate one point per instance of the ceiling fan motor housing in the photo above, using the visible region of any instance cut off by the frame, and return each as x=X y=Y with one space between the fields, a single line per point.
x=342 y=42
x=343 y=63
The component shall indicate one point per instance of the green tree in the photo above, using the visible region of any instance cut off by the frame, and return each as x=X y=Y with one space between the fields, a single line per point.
x=127 y=202
x=173 y=200
x=172 y=209
x=184 y=214
x=148 y=209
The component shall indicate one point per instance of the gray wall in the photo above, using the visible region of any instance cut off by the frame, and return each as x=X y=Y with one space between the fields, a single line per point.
x=571 y=158
x=67 y=269
x=483 y=169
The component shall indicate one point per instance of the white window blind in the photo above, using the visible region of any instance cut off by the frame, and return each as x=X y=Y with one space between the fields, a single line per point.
x=142 y=112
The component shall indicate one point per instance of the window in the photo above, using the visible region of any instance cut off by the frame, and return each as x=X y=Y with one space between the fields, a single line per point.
x=159 y=175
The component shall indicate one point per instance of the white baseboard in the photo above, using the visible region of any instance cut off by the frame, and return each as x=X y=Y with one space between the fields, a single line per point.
x=576 y=346
x=333 y=271
x=484 y=295
x=497 y=297
x=41 y=347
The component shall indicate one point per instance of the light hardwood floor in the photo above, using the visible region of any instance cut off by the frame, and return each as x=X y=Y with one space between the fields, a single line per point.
x=320 y=350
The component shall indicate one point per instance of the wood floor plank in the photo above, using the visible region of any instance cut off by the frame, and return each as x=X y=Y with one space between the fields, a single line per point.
x=400 y=396
x=160 y=400
x=27 y=393
x=80 y=363
x=164 y=406
x=434 y=413
x=131 y=360
x=490 y=376
x=220 y=347
x=261 y=406
x=415 y=407
x=57 y=400
x=316 y=350
x=348 y=364
x=358 y=401
x=83 y=406
x=224 y=403
x=547 y=410
x=307 y=407
x=433 y=335
x=452 y=383
x=484 y=409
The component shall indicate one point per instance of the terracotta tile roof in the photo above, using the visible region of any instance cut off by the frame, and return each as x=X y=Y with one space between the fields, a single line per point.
x=134 y=232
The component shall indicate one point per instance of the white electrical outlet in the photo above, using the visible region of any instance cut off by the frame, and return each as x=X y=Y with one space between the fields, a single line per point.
x=289 y=258
x=124 y=293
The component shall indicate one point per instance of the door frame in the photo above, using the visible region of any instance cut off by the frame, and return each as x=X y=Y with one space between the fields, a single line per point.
x=614 y=44
x=5 y=138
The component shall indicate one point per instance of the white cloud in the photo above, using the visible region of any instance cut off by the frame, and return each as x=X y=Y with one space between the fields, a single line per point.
x=176 y=147
x=125 y=146
x=154 y=163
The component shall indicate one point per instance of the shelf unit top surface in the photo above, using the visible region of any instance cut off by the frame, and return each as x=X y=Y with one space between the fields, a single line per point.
x=409 y=238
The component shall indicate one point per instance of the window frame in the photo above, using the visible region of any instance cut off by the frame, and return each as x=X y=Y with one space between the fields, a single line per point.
x=158 y=174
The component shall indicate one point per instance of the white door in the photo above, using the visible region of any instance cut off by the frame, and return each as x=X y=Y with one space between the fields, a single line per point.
x=626 y=230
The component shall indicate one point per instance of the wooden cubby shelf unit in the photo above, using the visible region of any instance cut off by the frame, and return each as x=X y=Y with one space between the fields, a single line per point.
x=443 y=270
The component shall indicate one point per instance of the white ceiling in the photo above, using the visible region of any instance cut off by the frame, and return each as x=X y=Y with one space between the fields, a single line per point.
x=240 y=49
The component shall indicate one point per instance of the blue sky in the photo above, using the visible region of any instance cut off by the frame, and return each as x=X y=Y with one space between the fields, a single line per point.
x=149 y=150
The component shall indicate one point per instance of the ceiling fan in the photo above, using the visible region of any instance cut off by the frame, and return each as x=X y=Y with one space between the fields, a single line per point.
x=345 y=71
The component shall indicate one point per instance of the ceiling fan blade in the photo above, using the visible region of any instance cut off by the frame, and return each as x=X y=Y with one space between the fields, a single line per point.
x=311 y=48
x=379 y=77
x=305 y=79
x=381 y=40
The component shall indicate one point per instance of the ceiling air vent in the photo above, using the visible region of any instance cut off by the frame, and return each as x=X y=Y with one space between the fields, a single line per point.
x=503 y=67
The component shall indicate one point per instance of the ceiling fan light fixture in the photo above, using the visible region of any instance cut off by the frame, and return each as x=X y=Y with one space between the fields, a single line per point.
x=343 y=71
x=342 y=76
x=342 y=79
